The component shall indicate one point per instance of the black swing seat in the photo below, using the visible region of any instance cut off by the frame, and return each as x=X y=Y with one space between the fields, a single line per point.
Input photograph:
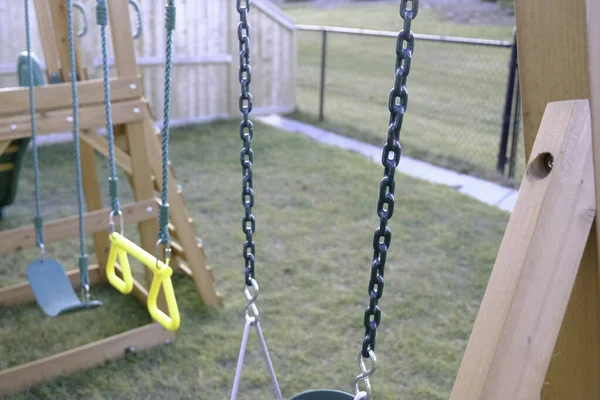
x=52 y=288
x=323 y=394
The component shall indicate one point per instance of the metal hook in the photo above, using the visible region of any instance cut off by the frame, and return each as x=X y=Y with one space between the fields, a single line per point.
x=251 y=297
x=364 y=375
x=111 y=222
x=167 y=253
x=42 y=251
x=78 y=5
x=138 y=17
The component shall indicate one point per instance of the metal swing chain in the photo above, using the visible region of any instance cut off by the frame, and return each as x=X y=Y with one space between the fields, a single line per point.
x=251 y=288
x=398 y=102
x=246 y=133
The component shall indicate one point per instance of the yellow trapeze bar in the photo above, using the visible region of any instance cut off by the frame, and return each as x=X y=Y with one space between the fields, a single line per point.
x=120 y=248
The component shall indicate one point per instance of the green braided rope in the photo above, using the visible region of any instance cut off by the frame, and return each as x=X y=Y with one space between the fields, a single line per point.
x=83 y=265
x=38 y=220
x=102 y=20
x=163 y=230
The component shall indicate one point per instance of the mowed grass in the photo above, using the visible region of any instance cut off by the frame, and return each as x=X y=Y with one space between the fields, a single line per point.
x=456 y=92
x=315 y=209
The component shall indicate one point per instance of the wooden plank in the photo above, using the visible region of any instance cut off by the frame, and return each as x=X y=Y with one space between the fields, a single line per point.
x=4 y=167
x=57 y=96
x=21 y=293
x=90 y=117
x=521 y=313
x=203 y=277
x=233 y=74
x=44 y=23
x=66 y=228
x=142 y=186
x=593 y=16
x=124 y=49
x=4 y=146
x=93 y=199
x=100 y=144
x=275 y=14
x=542 y=28
x=58 y=15
x=83 y=357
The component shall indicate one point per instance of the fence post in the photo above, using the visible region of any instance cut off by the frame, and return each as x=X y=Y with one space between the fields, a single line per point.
x=323 y=67
x=508 y=107
x=515 y=132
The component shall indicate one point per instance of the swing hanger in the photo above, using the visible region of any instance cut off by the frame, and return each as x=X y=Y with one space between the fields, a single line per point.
x=398 y=101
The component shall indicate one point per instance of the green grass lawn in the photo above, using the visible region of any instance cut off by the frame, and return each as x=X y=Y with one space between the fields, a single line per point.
x=456 y=92
x=315 y=210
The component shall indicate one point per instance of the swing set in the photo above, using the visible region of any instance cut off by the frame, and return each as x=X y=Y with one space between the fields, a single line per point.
x=132 y=143
x=536 y=334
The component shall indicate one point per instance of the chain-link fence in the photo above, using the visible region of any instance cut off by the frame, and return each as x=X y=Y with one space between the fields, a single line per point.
x=457 y=93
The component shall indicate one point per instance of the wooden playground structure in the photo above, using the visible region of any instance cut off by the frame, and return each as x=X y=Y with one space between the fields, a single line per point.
x=137 y=154
x=537 y=334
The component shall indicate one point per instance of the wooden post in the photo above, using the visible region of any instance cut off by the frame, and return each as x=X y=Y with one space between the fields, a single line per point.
x=521 y=313
x=537 y=334
x=559 y=42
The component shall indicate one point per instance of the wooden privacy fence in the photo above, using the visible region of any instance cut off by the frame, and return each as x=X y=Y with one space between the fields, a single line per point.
x=205 y=72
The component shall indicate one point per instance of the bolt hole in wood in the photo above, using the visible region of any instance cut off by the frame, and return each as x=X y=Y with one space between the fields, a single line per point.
x=541 y=166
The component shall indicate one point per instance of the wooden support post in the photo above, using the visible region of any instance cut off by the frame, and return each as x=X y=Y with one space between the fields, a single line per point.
x=559 y=42
x=523 y=307
x=68 y=228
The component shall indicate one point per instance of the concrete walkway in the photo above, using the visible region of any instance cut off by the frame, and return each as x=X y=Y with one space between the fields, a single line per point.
x=484 y=191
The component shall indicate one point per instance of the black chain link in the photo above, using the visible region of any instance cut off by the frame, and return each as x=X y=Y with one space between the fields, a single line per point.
x=246 y=133
x=390 y=158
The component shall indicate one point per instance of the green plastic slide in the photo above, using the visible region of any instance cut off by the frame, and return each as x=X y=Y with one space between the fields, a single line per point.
x=13 y=155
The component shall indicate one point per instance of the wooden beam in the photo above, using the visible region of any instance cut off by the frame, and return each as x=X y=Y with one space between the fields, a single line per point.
x=5 y=167
x=90 y=117
x=83 y=357
x=21 y=293
x=143 y=188
x=100 y=144
x=521 y=313
x=559 y=43
x=124 y=48
x=48 y=40
x=4 y=146
x=57 y=96
x=67 y=228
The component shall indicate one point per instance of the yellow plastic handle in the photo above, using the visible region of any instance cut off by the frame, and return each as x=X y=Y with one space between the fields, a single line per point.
x=124 y=285
x=162 y=277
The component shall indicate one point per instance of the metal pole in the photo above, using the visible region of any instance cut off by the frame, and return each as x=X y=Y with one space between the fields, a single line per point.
x=515 y=136
x=508 y=106
x=323 y=68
